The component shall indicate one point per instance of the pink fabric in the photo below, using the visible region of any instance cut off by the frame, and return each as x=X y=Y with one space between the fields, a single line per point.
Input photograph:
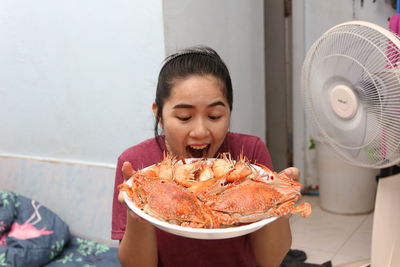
x=393 y=53
x=174 y=250
x=27 y=231
x=394 y=23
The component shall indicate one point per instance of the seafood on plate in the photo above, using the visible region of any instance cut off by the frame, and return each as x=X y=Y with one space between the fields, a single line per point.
x=213 y=193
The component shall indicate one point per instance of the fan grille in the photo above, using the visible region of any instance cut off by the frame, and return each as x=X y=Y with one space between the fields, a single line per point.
x=365 y=58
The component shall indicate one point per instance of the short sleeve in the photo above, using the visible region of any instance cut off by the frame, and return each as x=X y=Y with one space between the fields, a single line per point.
x=118 y=209
x=141 y=155
x=261 y=154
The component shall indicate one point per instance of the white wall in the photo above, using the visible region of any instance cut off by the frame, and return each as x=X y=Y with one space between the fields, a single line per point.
x=235 y=29
x=77 y=78
x=311 y=18
x=80 y=194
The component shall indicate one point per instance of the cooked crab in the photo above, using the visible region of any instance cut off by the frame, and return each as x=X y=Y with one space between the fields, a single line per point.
x=167 y=201
x=214 y=193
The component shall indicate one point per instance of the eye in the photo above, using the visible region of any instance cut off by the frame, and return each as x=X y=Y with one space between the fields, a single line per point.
x=214 y=117
x=184 y=118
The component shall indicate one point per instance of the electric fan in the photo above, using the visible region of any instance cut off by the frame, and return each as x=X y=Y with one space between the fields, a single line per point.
x=351 y=90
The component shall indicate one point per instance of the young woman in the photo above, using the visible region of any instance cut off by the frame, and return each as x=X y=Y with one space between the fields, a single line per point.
x=193 y=107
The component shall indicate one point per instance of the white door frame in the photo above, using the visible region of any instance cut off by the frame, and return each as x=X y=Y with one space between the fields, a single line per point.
x=298 y=55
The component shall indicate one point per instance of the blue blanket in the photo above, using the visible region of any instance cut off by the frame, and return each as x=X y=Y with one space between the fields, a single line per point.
x=33 y=235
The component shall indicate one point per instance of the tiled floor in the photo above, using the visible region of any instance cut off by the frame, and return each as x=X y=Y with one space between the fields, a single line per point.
x=326 y=236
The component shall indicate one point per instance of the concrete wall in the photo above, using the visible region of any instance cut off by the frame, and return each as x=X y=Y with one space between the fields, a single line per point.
x=80 y=194
x=77 y=78
x=77 y=81
x=235 y=30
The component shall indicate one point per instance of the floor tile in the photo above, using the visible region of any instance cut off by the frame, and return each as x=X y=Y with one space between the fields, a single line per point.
x=358 y=263
x=326 y=236
x=358 y=246
x=324 y=230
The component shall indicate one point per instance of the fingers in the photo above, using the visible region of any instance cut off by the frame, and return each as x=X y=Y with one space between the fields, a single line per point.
x=292 y=172
x=135 y=216
x=121 y=197
x=127 y=170
x=287 y=216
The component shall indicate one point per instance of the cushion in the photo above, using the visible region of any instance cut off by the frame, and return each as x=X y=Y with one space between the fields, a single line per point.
x=84 y=253
x=30 y=233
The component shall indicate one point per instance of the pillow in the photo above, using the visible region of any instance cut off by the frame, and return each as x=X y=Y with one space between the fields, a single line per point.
x=32 y=235
x=7 y=211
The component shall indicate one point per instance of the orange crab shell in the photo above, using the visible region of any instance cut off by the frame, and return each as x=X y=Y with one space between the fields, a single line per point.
x=167 y=201
x=250 y=202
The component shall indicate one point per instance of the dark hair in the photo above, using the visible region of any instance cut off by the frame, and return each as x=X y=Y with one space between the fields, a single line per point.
x=197 y=60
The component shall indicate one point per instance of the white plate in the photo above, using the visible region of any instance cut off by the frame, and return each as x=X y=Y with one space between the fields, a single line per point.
x=199 y=233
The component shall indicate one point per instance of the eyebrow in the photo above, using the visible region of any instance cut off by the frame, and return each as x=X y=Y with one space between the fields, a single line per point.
x=216 y=103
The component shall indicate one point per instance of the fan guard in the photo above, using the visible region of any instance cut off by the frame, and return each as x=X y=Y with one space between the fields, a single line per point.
x=351 y=89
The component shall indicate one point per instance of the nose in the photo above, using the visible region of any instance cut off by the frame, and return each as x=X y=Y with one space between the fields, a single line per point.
x=200 y=129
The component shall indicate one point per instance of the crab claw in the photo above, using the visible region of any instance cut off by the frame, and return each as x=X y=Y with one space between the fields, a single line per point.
x=304 y=209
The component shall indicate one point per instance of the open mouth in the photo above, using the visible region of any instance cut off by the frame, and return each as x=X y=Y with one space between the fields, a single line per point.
x=197 y=151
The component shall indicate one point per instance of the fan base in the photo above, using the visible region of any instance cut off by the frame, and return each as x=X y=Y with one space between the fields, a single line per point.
x=385 y=249
x=344 y=188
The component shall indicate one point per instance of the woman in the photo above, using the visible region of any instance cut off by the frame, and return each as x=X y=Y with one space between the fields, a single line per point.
x=193 y=107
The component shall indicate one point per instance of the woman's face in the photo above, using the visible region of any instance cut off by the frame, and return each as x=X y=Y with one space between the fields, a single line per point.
x=195 y=118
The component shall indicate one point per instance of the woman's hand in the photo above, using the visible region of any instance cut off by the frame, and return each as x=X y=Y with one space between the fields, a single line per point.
x=272 y=242
x=138 y=246
x=128 y=172
x=292 y=173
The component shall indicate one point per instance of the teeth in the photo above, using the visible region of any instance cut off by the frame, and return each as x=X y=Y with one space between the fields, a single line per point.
x=199 y=147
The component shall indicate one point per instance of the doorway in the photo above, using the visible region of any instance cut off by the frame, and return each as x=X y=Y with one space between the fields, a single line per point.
x=278 y=80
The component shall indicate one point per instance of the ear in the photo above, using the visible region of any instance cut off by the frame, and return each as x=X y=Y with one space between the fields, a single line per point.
x=155 y=110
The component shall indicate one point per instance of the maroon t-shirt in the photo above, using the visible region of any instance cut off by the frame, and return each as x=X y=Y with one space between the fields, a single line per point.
x=175 y=250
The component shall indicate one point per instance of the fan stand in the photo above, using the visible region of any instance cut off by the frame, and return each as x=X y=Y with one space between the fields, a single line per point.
x=359 y=60
x=385 y=248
